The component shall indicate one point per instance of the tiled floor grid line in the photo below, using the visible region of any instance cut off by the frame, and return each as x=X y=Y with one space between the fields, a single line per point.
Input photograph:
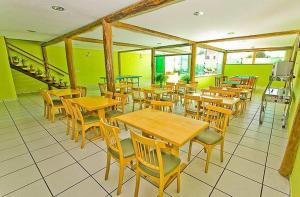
x=37 y=158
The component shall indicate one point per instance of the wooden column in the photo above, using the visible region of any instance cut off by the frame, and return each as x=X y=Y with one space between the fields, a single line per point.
x=69 y=56
x=193 y=62
x=295 y=49
x=119 y=63
x=224 y=62
x=288 y=161
x=253 y=57
x=108 y=55
x=152 y=66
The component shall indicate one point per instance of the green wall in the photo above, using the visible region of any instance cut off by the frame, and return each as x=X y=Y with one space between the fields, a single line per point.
x=205 y=81
x=137 y=63
x=7 y=88
x=295 y=177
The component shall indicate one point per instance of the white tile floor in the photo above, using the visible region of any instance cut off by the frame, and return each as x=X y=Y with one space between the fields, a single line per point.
x=38 y=159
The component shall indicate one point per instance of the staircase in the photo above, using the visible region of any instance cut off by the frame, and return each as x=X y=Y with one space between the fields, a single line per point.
x=34 y=67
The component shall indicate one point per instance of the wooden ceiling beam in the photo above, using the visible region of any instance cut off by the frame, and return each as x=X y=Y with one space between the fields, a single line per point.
x=256 y=36
x=261 y=49
x=143 y=30
x=129 y=11
x=93 y=40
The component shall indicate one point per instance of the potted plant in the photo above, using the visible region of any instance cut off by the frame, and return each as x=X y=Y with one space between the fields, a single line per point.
x=161 y=78
x=186 y=78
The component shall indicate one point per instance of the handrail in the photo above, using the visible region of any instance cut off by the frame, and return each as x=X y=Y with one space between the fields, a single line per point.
x=57 y=70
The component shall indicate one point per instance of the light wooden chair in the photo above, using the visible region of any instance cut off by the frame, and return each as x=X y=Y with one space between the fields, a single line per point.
x=85 y=120
x=121 y=150
x=192 y=106
x=69 y=115
x=165 y=106
x=217 y=117
x=154 y=163
x=148 y=97
x=102 y=88
x=191 y=88
x=137 y=97
x=46 y=105
x=83 y=90
x=52 y=105
x=119 y=109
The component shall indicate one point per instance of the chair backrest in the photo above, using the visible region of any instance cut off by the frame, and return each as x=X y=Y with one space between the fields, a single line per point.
x=162 y=105
x=226 y=85
x=192 y=103
x=77 y=112
x=136 y=93
x=244 y=81
x=122 y=99
x=46 y=96
x=112 y=139
x=103 y=88
x=148 y=152
x=244 y=86
x=109 y=94
x=251 y=82
x=148 y=94
x=83 y=90
x=217 y=117
x=68 y=107
x=210 y=101
x=215 y=87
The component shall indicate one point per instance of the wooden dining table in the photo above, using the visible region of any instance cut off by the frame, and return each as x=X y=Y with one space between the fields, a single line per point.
x=97 y=104
x=173 y=128
x=158 y=91
x=64 y=92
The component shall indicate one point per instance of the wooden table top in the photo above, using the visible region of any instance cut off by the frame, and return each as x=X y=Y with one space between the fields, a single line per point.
x=158 y=90
x=226 y=100
x=64 y=92
x=244 y=91
x=170 y=127
x=122 y=85
x=92 y=103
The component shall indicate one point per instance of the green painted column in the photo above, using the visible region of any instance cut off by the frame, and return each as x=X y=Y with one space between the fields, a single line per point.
x=7 y=86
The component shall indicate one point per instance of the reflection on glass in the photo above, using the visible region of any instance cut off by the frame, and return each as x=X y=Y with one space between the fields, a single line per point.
x=208 y=62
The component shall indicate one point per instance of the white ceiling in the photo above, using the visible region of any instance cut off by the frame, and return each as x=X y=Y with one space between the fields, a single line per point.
x=18 y=16
x=243 y=17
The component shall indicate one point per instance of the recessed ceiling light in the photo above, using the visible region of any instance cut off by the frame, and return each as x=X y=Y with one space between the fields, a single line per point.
x=58 y=8
x=31 y=31
x=159 y=43
x=231 y=33
x=198 y=13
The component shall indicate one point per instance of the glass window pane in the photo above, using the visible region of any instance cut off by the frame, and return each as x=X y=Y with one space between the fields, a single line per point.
x=240 y=58
x=269 y=57
x=208 y=62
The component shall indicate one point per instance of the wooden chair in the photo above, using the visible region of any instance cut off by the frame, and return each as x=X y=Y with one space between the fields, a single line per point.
x=111 y=114
x=46 y=106
x=137 y=97
x=103 y=88
x=52 y=105
x=180 y=91
x=148 y=97
x=69 y=115
x=121 y=150
x=83 y=90
x=85 y=120
x=109 y=94
x=192 y=106
x=162 y=105
x=191 y=88
x=154 y=163
x=217 y=117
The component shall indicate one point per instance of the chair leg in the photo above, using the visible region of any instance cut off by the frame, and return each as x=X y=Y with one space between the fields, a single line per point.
x=161 y=188
x=222 y=151
x=83 y=137
x=121 y=175
x=190 y=151
x=137 y=184
x=178 y=180
x=52 y=114
x=133 y=107
x=208 y=149
x=108 y=159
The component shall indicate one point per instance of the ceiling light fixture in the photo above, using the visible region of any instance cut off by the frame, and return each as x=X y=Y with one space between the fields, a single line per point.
x=198 y=13
x=159 y=43
x=57 y=8
x=31 y=31
x=231 y=33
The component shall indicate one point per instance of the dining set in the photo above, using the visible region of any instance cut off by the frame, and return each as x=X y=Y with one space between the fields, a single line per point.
x=156 y=132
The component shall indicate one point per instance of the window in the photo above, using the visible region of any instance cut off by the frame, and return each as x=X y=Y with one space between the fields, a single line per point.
x=208 y=62
x=240 y=58
x=178 y=63
x=269 y=57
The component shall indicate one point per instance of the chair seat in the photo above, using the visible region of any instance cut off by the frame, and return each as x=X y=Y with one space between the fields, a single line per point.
x=90 y=118
x=127 y=148
x=209 y=136
x=170 y=163
x=112 y=114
